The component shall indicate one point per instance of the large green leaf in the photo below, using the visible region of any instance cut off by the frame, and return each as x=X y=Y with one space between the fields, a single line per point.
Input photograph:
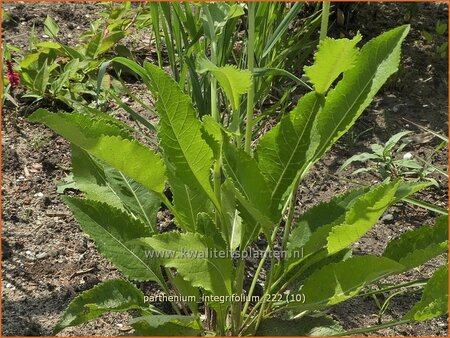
x=206 y=226
x=406 y=189
x=132 y=158
x=242 y=169
x=337 y=282
x=335 y=225
x=105 y=141
x=253 y=218
x=234 y=82
x=413 y=248
x=283 y=151
x=377 y=61
x=90 y=178
x=136 y=199
x=110 y=296
x=191 y=294
x=78 y=125
x=166 y=326
x=180 y=135
x=104 y=183
x=325 y=213
x=434 y=301
x=215 y=15
x=295 y=274
x=309 y=235
x=196 y=258
x=188 y=201
x=111 y=230
x=233 y=221
x=253 y=194
x=361 y=217
x=332 y=58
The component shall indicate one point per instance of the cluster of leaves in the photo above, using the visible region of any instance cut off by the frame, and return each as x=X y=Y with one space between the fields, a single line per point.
x=188 y=30
x=60 y=72
x=56 y=71
x=391 y=161
x=249 y=193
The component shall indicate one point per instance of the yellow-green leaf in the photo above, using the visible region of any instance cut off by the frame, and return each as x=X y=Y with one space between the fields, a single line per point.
x=332 y=59
x=234 y=82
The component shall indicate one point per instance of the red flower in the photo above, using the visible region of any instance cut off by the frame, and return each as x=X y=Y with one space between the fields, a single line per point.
x=13 y=77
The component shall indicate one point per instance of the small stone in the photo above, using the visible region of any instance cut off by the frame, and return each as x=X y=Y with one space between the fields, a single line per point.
x=387 y=217
x=42 y=255
x=29 y=253
x=39 y=194
x=9 y=285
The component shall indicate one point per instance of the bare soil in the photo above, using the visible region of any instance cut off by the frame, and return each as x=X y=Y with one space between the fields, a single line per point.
x=47 y=260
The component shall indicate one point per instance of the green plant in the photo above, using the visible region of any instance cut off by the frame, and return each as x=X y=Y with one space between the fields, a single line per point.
x=223 y=195
x=190 y=32
x=183 y=33
x=390 y=161
x=58 y=72
x=433 y=38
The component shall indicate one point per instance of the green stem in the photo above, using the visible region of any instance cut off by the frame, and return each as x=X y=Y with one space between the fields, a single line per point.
x=217 y=164
x=268 y=287
x=167 y=292
x=169 y=205
x=236 y=125
x=236 y=306
x=258 y=271
x=395 y=287
x=214 y=112
x=324 y=23
x=216 y=117
x=250 y=66
x=290 y=218
x=255 y=279
x=426 y=205
x=171 y=277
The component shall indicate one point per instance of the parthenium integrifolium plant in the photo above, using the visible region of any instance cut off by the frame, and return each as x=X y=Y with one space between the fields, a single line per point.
x=223 y=198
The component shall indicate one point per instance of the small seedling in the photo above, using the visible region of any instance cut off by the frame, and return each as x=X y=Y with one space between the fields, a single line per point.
x=390 y=161
x=433 y=38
